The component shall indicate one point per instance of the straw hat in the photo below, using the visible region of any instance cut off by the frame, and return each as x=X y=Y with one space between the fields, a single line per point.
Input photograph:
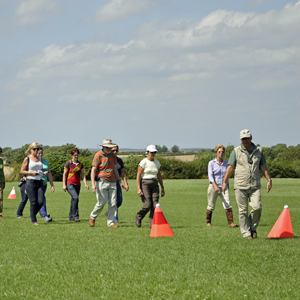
x=108 y=143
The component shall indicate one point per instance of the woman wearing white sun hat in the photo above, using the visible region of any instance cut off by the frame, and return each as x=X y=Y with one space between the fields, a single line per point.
x=147 y=179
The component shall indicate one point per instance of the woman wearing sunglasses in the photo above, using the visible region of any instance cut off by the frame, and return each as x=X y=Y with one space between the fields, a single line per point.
x=32 y=168
x=148 y=176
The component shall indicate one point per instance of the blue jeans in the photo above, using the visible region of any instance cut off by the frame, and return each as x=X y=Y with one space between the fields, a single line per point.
x=43 y=210
x=119 y=199
x=23 y=201
x=74 y=191
x=35 y=192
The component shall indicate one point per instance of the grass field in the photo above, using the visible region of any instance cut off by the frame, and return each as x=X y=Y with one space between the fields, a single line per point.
x=65 y=260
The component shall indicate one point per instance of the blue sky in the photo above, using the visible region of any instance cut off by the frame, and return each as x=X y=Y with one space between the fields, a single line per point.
x=191 y=73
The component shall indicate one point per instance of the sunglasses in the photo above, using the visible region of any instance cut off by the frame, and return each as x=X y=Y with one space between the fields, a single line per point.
x=114 y=150
x=35 y=149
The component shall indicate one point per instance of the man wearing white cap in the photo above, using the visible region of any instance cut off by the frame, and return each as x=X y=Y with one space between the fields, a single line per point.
x=247 y=160
x=104 y=175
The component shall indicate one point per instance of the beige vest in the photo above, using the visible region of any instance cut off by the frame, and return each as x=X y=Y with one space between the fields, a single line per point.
x=247 y=176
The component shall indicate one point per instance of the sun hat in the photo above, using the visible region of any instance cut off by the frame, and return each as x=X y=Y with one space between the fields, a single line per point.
x=151 y=148
x=108 y=143
x=245 y=133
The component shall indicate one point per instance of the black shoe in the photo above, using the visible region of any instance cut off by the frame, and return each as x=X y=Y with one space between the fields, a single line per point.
x=138 y=221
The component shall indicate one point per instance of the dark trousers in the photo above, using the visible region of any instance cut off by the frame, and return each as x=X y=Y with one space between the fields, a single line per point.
x=119 y=199
x=74 y=191
x=43 y=211
x=23 y=201
x=35 y=192
x=150 y=198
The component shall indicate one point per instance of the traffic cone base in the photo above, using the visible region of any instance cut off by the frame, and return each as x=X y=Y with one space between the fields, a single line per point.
x=12 y=194
x=161 y=230
x=283 y=226
x=160 y=226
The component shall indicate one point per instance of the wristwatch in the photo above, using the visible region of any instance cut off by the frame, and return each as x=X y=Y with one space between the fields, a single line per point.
x=270 y=179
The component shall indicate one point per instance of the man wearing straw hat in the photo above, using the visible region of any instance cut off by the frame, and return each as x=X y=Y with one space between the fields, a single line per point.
x=247 y=160
x=104 y=175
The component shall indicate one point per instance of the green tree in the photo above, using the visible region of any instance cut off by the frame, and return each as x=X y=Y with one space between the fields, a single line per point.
x=131 y=163
x=228 y=151
x=21 y=154
x=164 y=149
x=57 y=161
x=290 y=154
x=158 y=147
x=279 y=148
x=175 y=149
x=6 y=149
x=269 y=153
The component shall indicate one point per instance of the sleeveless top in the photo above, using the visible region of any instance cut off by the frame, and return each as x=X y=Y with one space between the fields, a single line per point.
x=34 y=167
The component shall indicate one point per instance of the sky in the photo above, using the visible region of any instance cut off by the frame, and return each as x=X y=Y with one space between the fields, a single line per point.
x=191 y=73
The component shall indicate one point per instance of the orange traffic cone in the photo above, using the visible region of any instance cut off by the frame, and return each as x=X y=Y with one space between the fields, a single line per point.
x=12 y=194
x=283 y=226
x=160 y=226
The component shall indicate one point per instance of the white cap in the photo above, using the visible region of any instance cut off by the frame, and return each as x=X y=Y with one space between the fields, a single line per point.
x=151 y=148
x=157 y=205
x=245 y=133
x=286 y=206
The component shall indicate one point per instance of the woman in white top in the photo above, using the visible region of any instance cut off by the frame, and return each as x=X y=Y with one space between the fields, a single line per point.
x=147 y=179
x=32 y=168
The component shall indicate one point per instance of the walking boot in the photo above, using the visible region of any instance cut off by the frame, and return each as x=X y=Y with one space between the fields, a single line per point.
x=229 y=216
x=138 y=222
x=208 y=217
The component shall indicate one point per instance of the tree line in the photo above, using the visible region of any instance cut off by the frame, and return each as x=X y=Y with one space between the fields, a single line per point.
x=282 y=161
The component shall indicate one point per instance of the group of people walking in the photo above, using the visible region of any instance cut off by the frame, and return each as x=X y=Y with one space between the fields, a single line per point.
x=107 y=170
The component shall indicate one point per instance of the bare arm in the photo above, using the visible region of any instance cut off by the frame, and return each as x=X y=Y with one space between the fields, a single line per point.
x=83 y=178
x=123 y=174
x=138 y=180
x=65 y=176
x=265 y=171
x=93 y=173
x=160 y=180
x=118 y=177
x=228 y=173
x=49 y=176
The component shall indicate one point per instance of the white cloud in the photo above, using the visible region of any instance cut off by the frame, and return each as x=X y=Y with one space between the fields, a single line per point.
x=36 y=11
x=120 y=9
x=249 y=50
x=85 y=96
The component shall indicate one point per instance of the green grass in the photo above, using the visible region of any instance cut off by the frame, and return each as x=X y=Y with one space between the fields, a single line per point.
x=64 y=260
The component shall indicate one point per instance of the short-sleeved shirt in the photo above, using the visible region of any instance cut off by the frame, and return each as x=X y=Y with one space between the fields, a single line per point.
x=151 y=168
x=1 y=170
x=232 y=158
x=74 y=171
x=46 y=167
x=105 y=165
x=120 y=165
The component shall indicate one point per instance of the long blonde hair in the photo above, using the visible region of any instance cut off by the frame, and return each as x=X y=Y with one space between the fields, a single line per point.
x=32 y=145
